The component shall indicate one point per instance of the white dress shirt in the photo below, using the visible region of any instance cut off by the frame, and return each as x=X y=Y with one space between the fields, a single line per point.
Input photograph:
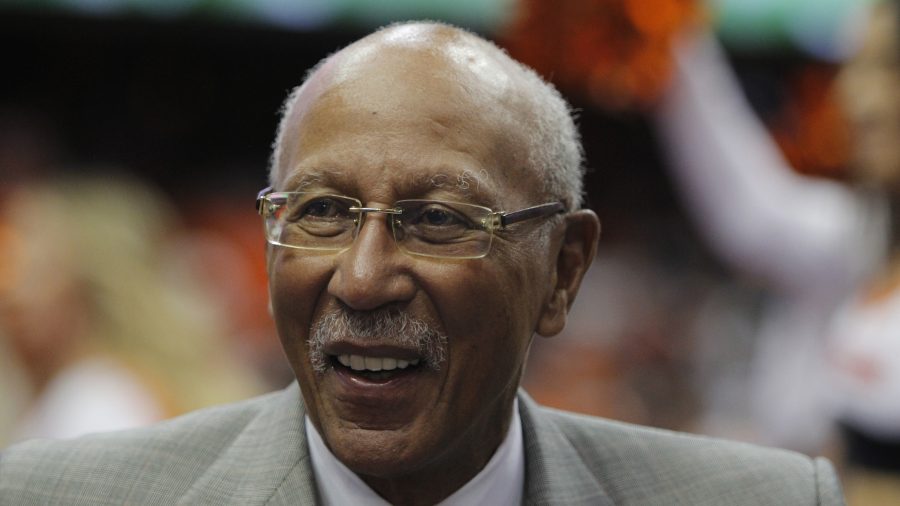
x=500 y=482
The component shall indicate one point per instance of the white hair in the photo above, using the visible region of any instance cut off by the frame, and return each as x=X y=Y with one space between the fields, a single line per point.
x=554 y=145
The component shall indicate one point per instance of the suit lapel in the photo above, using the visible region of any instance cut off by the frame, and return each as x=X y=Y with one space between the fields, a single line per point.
x=554 y=471
x=266 y=463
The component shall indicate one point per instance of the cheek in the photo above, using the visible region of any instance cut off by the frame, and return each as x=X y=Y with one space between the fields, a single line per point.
x=295 y=286
x=470 y=299
x=488 y=316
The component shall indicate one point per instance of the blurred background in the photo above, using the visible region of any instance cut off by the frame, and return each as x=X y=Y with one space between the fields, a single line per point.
x=741 y=154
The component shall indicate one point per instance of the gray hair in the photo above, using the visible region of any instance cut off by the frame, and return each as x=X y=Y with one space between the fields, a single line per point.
x=554 y=142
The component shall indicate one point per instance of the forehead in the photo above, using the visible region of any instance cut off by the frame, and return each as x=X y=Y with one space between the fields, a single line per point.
x=412 y=114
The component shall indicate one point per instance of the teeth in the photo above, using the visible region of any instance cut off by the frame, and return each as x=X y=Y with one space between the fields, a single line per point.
x=373 y=364
x=361 y=363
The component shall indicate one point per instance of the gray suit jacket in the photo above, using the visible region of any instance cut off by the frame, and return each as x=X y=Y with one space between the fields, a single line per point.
x=255 y=453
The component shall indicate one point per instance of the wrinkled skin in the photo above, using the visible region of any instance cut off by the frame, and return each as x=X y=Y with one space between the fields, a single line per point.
x=421 y=112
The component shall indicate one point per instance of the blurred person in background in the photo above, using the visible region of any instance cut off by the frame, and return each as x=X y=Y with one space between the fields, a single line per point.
x=829 y=347
x=810 y=241
x=102 y=335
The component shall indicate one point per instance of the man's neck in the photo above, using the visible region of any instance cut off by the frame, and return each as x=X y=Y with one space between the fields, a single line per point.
x=451 y=471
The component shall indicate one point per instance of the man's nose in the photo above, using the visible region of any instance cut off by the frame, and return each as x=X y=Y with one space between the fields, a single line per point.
x=373 y=272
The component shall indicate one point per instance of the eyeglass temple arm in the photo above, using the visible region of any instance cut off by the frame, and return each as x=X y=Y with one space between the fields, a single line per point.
x=262 y=195
x=529 y=213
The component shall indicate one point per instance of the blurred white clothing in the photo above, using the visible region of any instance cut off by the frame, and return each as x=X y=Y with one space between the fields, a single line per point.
x=864 y=349
x=92 y=395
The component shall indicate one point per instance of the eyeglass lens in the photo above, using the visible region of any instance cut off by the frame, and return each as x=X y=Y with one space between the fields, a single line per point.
x=422 y=227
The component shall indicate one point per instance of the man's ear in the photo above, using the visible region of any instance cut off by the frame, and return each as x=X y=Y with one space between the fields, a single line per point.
x=577 y=251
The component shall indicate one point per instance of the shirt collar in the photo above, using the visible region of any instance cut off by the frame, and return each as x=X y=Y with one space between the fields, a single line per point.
x=500 y=482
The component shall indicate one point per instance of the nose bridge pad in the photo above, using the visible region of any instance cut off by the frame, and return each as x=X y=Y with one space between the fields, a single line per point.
x=360 y=222
x=397 y=230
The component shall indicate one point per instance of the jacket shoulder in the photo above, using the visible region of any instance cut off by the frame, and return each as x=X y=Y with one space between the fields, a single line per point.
x=132 y=466
x=642 y=465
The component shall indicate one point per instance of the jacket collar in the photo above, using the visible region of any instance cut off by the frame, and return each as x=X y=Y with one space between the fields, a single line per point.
x=268 y=461
x=555 y=473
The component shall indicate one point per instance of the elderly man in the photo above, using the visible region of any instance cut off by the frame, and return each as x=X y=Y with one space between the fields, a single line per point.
x=423 y=224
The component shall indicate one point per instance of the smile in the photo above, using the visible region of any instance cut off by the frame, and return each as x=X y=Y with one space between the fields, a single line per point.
x=374 y=364
x=376 y=367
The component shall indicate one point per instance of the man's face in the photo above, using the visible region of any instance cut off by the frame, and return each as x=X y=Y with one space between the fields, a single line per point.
x=428 y=135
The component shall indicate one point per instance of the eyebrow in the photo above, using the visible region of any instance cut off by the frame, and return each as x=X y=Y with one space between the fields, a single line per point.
x=466 y=184
x=298 y=182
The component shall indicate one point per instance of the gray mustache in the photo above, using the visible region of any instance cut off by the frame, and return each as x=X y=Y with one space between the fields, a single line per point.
x=387 y=326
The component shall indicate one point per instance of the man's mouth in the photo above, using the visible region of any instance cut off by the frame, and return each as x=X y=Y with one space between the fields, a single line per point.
x=377 y=369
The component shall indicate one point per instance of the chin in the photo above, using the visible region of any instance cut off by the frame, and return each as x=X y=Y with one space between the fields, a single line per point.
x=377 y=454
